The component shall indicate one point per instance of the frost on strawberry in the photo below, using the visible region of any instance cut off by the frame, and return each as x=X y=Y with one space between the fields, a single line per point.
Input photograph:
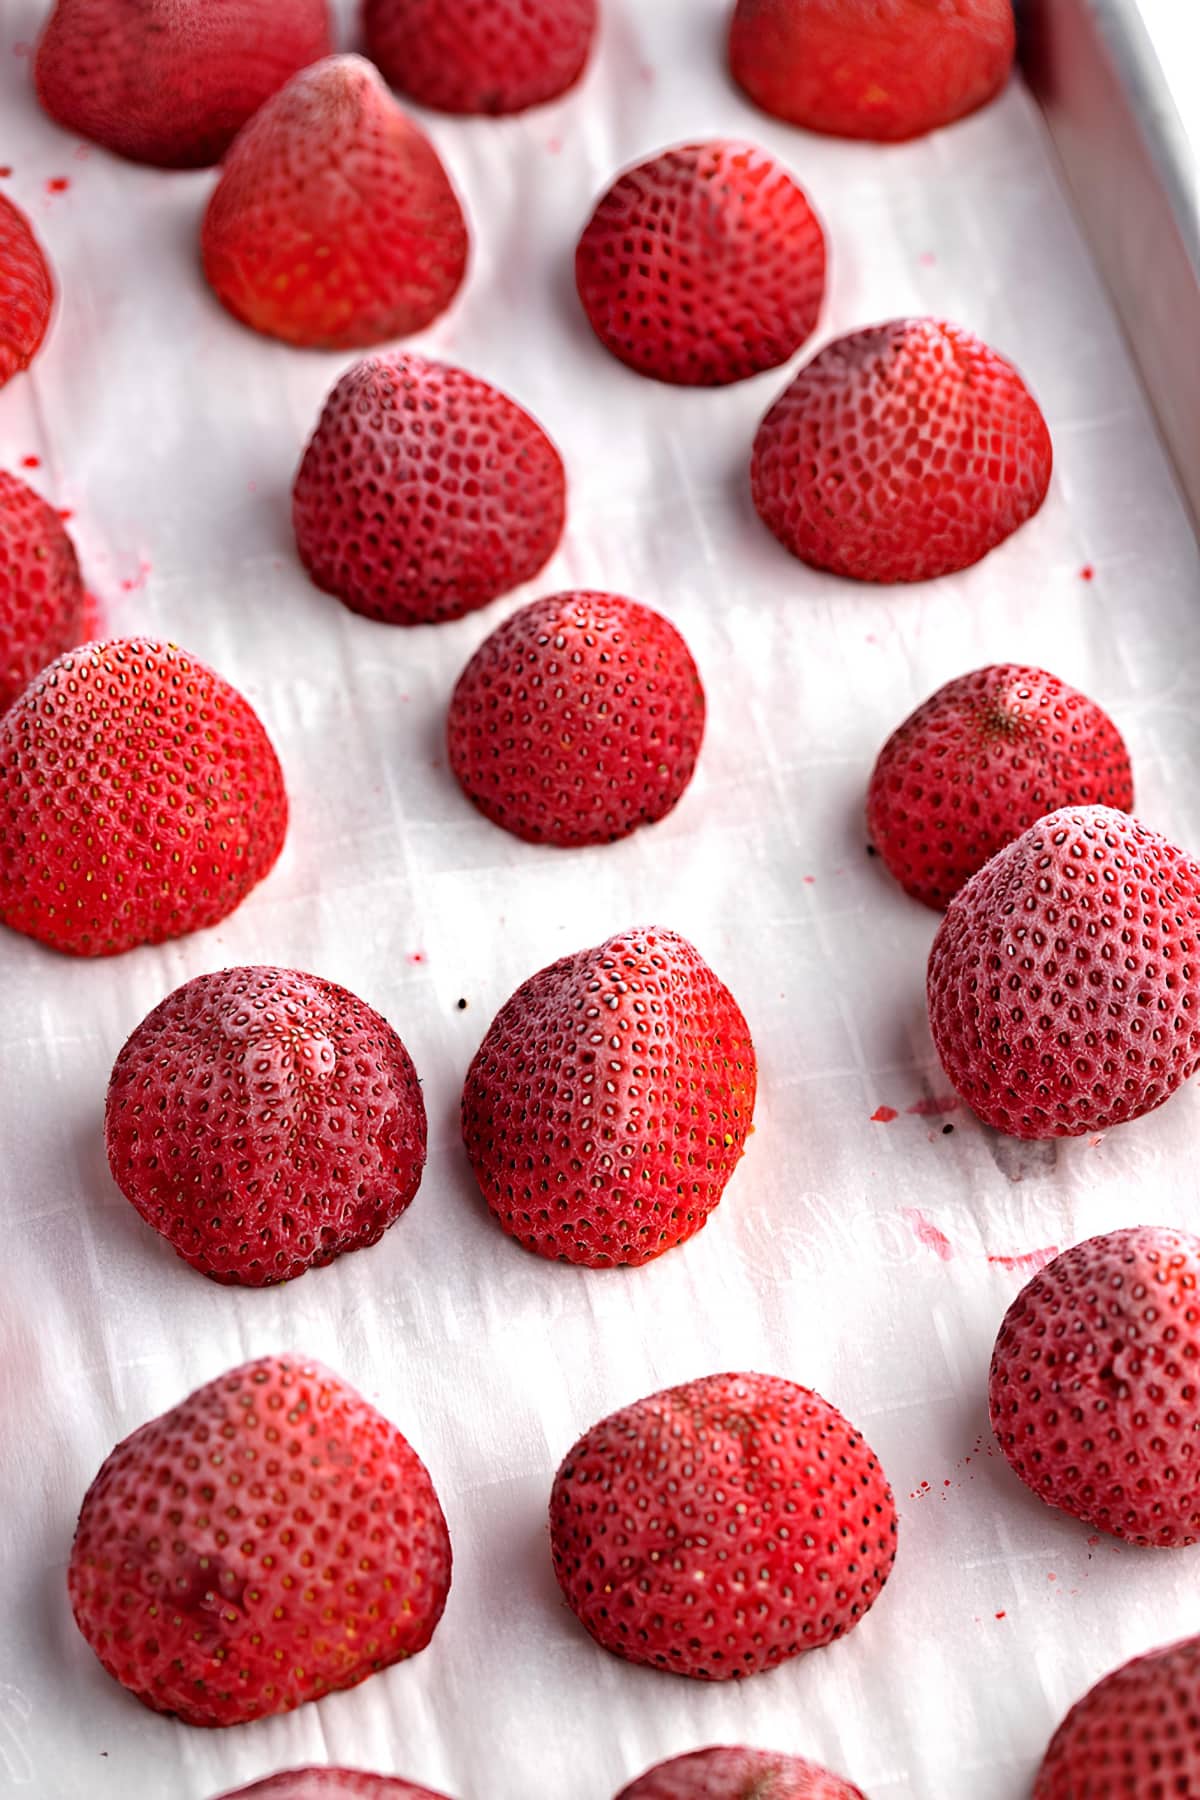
x=265 y=1121
x=334 y=224
x=425 y=492
x=609 y=1103
x=1093 y=1384
x=41 y=590
x=327 y=1782
x=26 y=292
x=719 y=1528
x=140 y=799
x=270 y=1540
x=480 y=56
x=703 y=266
x=901 y=453
x=1064 y=981
x=735 y=1772
x=881 y=69
x=170 y=82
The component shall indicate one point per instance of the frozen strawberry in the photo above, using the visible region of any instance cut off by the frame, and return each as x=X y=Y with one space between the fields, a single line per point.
x=729 y=1772
x=719 y=1528
x=328 y=1783
x=265 y=1121
x=978 y=763
x=1093 y=1384
x=1064 y=981
x=334 y=224
x=882 y=69
x=703 y=266
x=41 y=593
x=901 y=453
x=425 y=492
x=171 y=82
x=140 y=799
x=269 y=1540
x=481 y=56
x=26 y=292
x=578 y=720
x=1134 y=1736
x=609 y=1103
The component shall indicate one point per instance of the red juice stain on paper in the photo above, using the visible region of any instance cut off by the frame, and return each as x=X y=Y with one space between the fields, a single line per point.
x=31 y=462
x=58 y=184
x=809 y=880
x=1002 y=1615
x=1028 y=1260
x=133 y=584
x=934 y=1105
x=554 y=146
x=883 y=1115
x=927 y=259
x=21 y=48
x=927 y=1233
x=1087 y=573
x=65 y=513
x=5 y=171
x=417 y=956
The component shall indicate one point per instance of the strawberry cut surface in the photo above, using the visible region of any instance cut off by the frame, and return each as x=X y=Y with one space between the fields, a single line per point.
x=481 y=56
x=41 y=590
x=26 y=292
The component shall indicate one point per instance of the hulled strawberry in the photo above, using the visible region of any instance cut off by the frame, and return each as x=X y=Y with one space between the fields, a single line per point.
x=1134 y=1736
x=719 y=1528
x=140 y=799
x=1064 y=981
x=609 y=1103
x=265 y=1121
x=901 y=453
x=1093 y=1384
x=481 y=56
x=171 y=82
x=579 y=719
x=329 y=1783
x=425 y=492
x=883 y=69
x=703 y=266
x=41 y=591
x=26 y=292
x=334 y=224
x=269 y=1540
x=978 y=763
x=733 y=1772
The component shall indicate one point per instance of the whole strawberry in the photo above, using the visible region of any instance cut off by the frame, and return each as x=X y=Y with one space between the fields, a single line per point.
x=1092 y=1387
x=334 y=224
x=41 y=592
x=425 y=492
x=26 y=292
x=140 y=799
x=1134 y=1736
x=328 y=1783
x=480 y=56
x=703 y=266
x=978 y=763
x=269 y=1540
x=579 y=719
x=1064 y=981
x=901 y=453
x=719 y=1528
x=734 y=1772
x=882 y=69
x=170 y=82
x=609 y=1103
x=265 y=1121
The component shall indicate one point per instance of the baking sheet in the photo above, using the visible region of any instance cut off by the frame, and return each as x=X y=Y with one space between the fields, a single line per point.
x=870 y=1260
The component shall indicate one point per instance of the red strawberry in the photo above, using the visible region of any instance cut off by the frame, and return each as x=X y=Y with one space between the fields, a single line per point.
x=140 y=799
x=883 y=69
x=736 y=1773
x=331 y=1784
x=719 y=1528
x=170 y=82
x=269 y=1540
x=982 y=760
x=578 y=720
x=1064 y=981
x=1093 y=1384
x=26 y=292
x=901 y=453
x=265 y=1121
x=41 y=593
x=424 y=492
x=703 y=266
x=334 y=223
x=481 y=56
x=609 y=1103
x=1134 y=1736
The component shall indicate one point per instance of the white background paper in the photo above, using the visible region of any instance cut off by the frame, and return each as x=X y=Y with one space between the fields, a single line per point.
x=173 y=435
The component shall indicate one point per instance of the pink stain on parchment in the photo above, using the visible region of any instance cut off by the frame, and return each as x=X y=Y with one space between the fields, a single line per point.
x=927 y=1233
x=133 y=584
x=934 y=1105
x=1027 y=1261
x=883 y=1115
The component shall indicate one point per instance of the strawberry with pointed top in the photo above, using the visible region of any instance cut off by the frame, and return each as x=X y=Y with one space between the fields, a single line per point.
x=26 y=292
